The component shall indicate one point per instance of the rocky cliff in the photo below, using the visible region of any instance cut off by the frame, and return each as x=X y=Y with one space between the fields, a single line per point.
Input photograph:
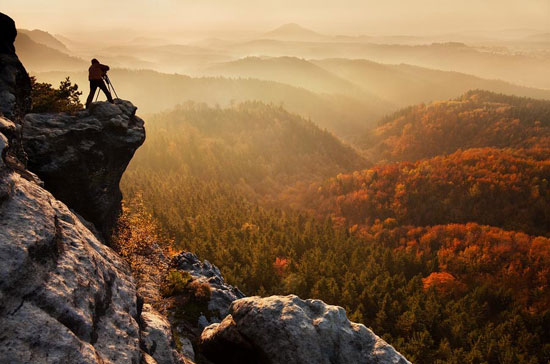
x=81 y=157
x=65 y=297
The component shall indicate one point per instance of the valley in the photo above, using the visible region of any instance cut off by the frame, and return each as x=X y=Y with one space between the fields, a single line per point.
x=404 y=178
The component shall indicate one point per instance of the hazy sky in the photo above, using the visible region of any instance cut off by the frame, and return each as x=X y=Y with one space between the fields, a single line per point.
x=331 y=16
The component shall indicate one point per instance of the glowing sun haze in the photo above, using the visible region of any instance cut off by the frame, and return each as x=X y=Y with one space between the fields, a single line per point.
x=415 y=17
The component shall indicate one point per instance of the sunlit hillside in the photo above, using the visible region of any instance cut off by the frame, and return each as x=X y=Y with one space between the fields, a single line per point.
x=255 y=147
x=505 y=188
x=476 y=119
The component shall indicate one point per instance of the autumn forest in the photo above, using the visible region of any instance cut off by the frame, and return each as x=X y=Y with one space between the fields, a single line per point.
x=433 y=229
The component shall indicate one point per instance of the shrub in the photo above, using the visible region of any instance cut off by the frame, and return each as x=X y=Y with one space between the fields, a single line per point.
x=201 y=291
x=137 y=232
x=45 y=98
x=176 y=283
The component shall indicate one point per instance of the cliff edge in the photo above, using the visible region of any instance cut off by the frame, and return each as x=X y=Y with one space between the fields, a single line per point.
x=81 y=157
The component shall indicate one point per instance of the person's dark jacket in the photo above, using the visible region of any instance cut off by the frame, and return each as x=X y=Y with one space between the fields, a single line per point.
x=97 y=71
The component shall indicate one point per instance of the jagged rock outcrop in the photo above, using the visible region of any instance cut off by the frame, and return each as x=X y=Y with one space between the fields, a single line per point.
x=288 y=330
x=203 y=271
x=81 y=157
x=64 y=296
x=15 y=84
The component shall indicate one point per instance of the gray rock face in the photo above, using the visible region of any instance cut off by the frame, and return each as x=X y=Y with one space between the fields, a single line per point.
x=64 y=296
x=288 y=330
x=15 y=84
x=156 y=338
x=3 y=149
x=222 y=294
x=82 y=157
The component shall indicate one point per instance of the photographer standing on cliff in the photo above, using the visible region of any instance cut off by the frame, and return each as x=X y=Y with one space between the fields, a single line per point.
x=96 y=73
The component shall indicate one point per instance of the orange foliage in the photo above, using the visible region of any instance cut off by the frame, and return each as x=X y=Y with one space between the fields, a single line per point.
x=280 y=265
x=471 y=254
x=444 y=282
x=477 y=119
x=505 y=188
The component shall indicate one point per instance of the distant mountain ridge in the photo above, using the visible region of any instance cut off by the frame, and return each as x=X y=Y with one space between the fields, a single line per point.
x=290 y=70
x=38 y=57
x=405 y=84
x=45 y=38
x=293 y=31
x=394 y=85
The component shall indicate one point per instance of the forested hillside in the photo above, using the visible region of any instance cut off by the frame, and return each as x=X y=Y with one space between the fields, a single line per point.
x=445 y=257
x=505 y=188
x=477 y=119
x=260 y=149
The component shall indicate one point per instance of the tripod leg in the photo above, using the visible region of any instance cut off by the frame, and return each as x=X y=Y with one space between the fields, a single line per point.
x=110 y=85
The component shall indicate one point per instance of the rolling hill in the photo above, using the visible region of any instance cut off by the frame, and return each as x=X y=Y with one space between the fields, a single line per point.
x=477 y=119
x=290 y=70
x=45 y=38
x=38 y=57
x=393 y=85
x=406 y=84
x=255 y=146
x=505 y=188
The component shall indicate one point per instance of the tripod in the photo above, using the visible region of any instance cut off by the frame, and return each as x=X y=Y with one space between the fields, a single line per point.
x=110 y=87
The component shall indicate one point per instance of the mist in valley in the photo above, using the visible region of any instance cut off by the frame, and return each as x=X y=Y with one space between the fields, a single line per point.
x=372 y=56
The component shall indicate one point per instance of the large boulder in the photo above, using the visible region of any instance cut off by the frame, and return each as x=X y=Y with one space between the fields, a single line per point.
x=15 y=84
x=81 y=157
x=288 y=330
x=64 y=296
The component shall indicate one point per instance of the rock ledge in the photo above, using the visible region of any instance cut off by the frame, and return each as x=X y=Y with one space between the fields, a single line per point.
x=82 y=157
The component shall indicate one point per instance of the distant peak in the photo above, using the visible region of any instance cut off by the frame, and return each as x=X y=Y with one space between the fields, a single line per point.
x=293 y=30
x=290 y=26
